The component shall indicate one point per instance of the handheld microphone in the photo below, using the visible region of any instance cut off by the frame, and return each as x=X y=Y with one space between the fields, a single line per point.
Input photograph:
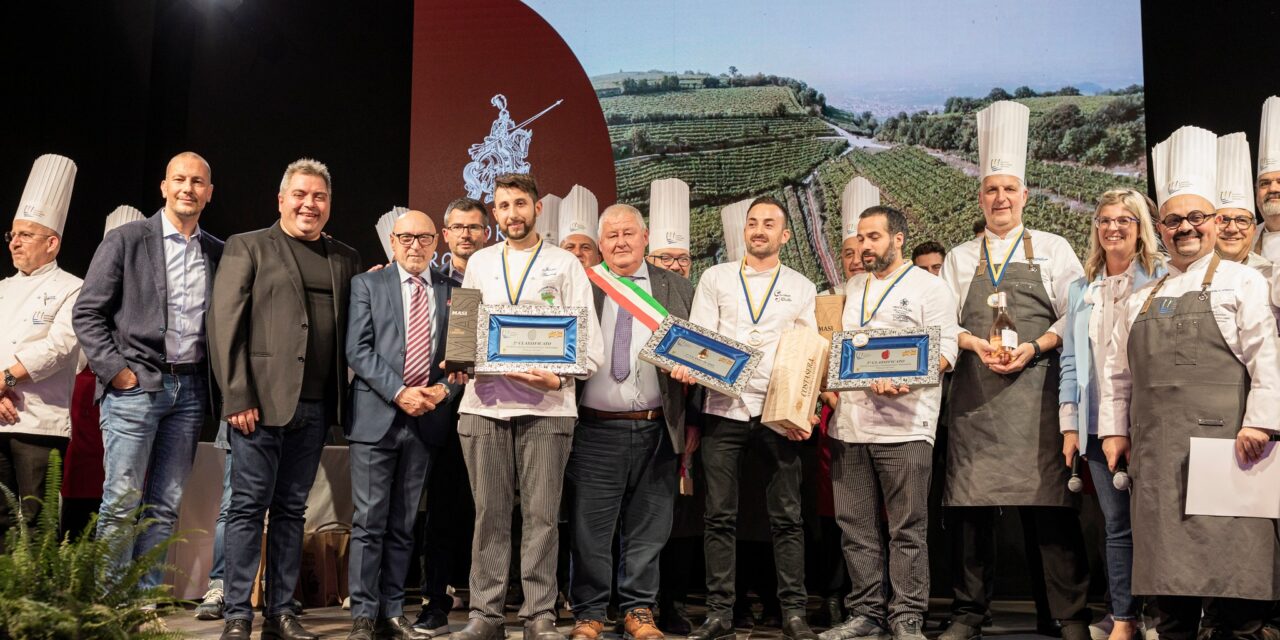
x=1121 y=480
x=1075 y=484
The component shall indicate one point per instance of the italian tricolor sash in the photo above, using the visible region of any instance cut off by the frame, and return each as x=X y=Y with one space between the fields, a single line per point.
x=629 y=296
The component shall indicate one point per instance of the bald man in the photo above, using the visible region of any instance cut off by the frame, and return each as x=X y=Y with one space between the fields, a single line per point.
x=395 y=332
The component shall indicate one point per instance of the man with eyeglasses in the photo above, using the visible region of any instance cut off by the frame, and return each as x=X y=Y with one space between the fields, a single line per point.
x=399 y=409
x=448 y=519
x=41 y=357
x=1195 y=359
x=1237 y=225
x=277 y=328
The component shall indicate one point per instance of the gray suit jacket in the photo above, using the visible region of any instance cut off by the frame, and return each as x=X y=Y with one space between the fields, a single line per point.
x=675 y=293
x=122 y=313
x=258 y=324
x=376 y=352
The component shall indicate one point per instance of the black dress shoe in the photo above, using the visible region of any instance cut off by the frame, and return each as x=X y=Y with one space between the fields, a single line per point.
x=542 y=629
x=398 y=628
x=796 y=628
x=714 y=629
x=285 y=627
x=479 y=629
x=361 y=629
x=432 y=622
x=238 y=629
x=673 y=619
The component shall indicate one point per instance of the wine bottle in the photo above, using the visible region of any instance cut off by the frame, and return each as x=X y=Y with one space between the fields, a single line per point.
x=1004 y=333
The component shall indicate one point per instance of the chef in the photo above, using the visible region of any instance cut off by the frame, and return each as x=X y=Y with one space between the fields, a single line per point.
x=1196 y=358
x=1237 y=226
x=669 y=226
x=1003 y=446
x=39 y=354
x=858 y=196
x=579 y=222
x=1268 y=184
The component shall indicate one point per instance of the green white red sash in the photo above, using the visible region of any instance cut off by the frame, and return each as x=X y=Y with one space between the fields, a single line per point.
x=629 y=296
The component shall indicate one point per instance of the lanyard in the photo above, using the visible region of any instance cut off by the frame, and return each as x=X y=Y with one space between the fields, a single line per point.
x=902 y=273
x=986 y=256
x=751 y=307
x=506 y=275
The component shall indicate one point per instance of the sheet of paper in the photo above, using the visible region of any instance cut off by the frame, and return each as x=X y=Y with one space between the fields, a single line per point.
x=1218 y=486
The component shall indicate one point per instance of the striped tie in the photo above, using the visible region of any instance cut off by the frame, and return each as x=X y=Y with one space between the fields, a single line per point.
x=417 y=355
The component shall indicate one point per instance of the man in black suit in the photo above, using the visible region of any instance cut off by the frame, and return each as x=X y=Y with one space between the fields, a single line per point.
x=140 y=318
x=624 y=464
x=276 y=338
x=396 y=331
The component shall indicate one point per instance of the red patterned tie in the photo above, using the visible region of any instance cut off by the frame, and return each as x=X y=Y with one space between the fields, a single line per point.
x=417 y=354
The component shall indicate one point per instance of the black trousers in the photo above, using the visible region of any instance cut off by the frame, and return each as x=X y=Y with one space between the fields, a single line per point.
x=1180 y=617
x=724 y=442
x=973 y=551
x=450 y=516
x=24 y=459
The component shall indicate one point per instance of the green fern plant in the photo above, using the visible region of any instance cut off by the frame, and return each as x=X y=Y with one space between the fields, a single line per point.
x=55 y=586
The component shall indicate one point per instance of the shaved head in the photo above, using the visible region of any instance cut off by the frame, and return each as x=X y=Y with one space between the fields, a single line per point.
x=416 y=228
x=192 y=156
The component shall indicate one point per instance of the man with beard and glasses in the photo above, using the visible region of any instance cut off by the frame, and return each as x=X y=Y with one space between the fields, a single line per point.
x=1267 y=189
x=1195 y=358
x=516 y=429
x=447 y=530
x=882 y=450
x=753 y=301
x=1009 y=396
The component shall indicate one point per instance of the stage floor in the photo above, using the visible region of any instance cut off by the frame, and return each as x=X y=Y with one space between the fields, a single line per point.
x=1013 y=621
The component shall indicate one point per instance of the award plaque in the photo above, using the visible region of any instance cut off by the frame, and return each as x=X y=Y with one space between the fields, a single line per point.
x=460 y=337
x=517 y=338
x=716 y=362
x=907 y=357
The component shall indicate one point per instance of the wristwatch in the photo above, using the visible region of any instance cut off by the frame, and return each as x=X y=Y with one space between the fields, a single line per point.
x=9 y=381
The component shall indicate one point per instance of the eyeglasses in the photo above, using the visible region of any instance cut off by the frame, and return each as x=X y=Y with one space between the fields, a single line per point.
x=465 y=228
x=24 y=237
x=406 y=239
x=667 y=261
x=1241 y=222
x=1196 y=218
x=1123 y=221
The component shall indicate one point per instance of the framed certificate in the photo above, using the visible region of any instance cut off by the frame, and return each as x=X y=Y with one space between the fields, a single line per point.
x=716 y=362
x=907 y=356
x=517 y=338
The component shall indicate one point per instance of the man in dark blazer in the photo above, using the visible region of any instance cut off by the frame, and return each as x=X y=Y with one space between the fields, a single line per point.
x=624 y=464
x=399 y=403
x=140 y=318
x=276 y=336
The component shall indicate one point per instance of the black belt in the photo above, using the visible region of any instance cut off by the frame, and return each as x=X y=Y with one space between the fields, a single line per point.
x=651 y=414
x=183 y=369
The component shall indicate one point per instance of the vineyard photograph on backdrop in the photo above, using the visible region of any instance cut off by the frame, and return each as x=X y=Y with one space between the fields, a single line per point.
x=744 y=98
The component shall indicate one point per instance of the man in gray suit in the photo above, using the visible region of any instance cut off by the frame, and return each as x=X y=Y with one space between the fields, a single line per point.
x=276 y=335
x=624 y=464
x=140 y=318
x=396 y=331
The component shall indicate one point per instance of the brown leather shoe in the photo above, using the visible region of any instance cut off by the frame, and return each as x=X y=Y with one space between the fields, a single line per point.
x=639 y=625
x=587 y=630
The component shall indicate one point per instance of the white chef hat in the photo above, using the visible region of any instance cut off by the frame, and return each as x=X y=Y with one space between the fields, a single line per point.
x=1002 y=139
x=1186 y=163
x=47 y=197
x=1235 y=182
x=858 y=196
x=733 y=219
x=548 y=222
x=1269 y=137
x=668 y=214
x=579 y=214
x=122 y=215
x=385 y=225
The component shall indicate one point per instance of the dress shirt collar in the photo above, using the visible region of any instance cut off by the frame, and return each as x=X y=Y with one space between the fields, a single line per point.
x=641 y=274
x=170 y=231
x=405 y=275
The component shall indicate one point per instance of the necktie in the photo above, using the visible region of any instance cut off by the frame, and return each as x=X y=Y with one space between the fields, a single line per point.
x=620 y=365
x=417 y=354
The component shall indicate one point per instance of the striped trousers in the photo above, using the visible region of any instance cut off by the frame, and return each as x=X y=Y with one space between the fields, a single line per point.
x=525 y=457
x=864 y=476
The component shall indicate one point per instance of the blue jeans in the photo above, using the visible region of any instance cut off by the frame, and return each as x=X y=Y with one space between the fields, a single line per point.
x=274 y=468
x=1119 y=535
x=621 y=472
x=219 y=569
x=149 y=443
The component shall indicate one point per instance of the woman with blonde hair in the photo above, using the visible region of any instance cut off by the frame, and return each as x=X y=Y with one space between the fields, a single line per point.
x=1124 y=255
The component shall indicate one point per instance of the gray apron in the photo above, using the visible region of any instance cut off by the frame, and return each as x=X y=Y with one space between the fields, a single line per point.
x=1004 y=448
x=1188 y=384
